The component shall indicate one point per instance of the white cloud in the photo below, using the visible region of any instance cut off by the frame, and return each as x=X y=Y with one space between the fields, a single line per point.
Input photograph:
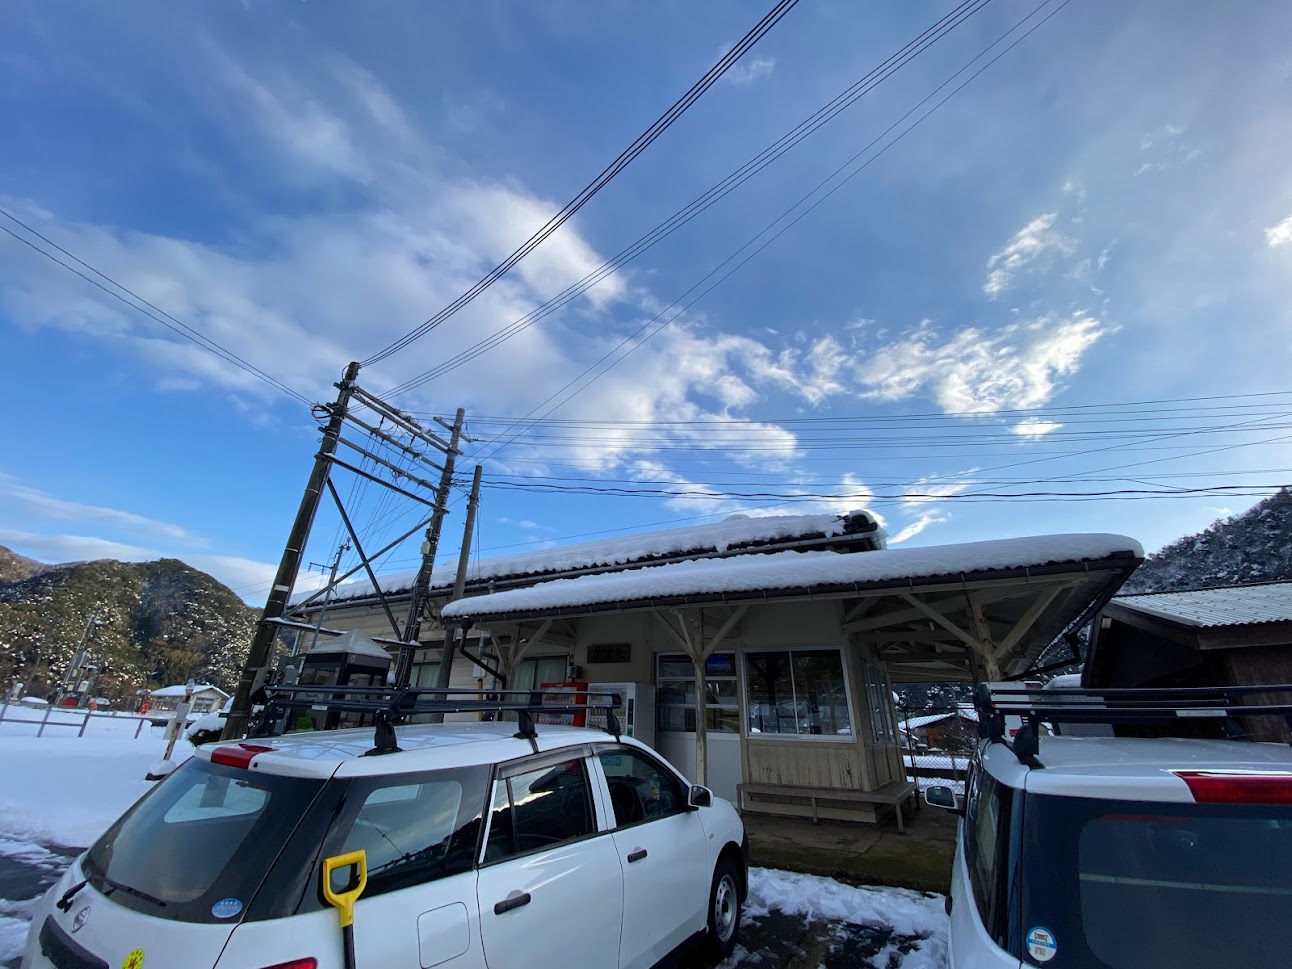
x=1279 y=235
x=1035 y=427
x=975 y=372
x=58 y=509
x=745 y=72
x=919 y=525
x=927 y=490
x=1036 y=241
x=58 y=549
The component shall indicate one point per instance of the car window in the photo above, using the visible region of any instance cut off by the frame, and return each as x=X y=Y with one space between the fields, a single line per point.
x=415 y=828
x=538 y=809
x=1126 y=884
x=987 y=828
x=640 y=789
x=207 y=833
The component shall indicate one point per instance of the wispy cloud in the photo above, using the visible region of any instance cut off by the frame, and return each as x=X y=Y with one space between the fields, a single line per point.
x=1279 y=235
x=919 y=525
x=47 y=506
x=1035 y=427
x=745 y=72
x=977 y=372
x=1033 y=243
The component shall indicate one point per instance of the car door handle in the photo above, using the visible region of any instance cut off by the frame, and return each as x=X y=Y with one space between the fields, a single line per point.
x=511 y=902
x=637 y=855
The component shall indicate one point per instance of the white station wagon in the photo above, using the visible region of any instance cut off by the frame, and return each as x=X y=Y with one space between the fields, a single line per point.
x=470 y=845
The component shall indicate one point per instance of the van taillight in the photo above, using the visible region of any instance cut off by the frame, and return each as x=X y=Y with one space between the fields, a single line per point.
x=1237 y=787
x=296 y=964
x=240 y=755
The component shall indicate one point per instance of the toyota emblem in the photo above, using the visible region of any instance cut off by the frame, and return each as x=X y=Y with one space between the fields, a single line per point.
x=80 y=919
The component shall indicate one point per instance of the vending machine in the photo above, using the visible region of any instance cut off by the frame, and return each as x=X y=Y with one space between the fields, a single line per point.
x=636 y=710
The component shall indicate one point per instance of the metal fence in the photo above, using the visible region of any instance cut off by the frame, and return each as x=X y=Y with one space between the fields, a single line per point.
x=937 y=744
x=56 y=716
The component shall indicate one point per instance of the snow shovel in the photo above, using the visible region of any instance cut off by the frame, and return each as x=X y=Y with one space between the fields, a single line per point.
x=343 y=901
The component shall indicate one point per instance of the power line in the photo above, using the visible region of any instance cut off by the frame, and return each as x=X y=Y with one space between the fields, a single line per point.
x=626 y=157
x=726 y=186
x=158 y=315
x=779 y=232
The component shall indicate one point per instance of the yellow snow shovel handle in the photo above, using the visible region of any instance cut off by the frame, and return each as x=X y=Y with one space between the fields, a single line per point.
x=343 y=902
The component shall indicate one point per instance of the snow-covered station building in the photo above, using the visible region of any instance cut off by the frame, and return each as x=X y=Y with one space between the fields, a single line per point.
x=759 y=654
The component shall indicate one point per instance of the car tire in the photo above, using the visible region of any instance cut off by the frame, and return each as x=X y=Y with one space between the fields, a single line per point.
x=724 y=911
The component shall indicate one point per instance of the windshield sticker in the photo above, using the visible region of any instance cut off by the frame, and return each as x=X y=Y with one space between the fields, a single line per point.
x=135 y=960
x=226 y=908
x=1041 y=945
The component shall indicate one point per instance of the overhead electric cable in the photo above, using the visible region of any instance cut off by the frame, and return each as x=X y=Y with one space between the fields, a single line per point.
x=626 y=157
x=158 y=315
x=779 y=232
x=730 y=183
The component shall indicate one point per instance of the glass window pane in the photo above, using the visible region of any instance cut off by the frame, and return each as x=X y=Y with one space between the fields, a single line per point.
x=675 y=666
x=676 y=693
x=770 y=687
x=672 y=718
x=551 y=805
x=821 y=702
x=720 y=664
x=640 y=790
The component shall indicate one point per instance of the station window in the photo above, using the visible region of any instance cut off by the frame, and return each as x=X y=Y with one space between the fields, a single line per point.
x=800 y=692
x=675 y=694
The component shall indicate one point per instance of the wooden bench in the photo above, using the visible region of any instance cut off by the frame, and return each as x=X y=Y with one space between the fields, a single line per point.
x=894 y=794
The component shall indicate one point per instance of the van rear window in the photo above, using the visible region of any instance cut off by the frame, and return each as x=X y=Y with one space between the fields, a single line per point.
x=1125 y=885
x=207 y=834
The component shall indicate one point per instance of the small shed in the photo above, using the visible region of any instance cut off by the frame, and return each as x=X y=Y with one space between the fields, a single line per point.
x=205 y=699
x=1229 y=636
x=351 y=659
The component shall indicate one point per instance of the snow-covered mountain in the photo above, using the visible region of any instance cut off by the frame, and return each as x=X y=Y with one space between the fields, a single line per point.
x=1255 y=546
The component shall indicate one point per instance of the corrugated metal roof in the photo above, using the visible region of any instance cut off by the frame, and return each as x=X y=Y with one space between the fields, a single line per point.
x=1241 y=605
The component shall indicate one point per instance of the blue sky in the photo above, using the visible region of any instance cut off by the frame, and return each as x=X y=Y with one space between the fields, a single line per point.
x=1103 y=216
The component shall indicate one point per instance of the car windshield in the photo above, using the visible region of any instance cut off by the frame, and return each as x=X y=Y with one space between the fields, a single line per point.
x=1128 y=884
x=198 y=845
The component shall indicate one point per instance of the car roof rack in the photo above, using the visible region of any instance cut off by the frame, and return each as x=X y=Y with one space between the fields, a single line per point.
x=1114 y=705
x=391 y=705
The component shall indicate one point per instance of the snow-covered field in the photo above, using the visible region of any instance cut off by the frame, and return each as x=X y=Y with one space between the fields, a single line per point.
x=60 y=791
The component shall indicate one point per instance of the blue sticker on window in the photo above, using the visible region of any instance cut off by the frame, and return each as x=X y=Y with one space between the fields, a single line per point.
x=226 y=908
x=1041 y=945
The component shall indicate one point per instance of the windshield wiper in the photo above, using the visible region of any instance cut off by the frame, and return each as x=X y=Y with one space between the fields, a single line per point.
x=131 y=891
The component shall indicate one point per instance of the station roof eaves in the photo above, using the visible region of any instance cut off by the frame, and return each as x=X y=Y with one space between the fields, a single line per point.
x=802 y=574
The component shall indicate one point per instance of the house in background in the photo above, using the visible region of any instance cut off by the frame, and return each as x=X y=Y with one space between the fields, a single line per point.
x=955 y=730
x=1229 y=636
x=162 y=702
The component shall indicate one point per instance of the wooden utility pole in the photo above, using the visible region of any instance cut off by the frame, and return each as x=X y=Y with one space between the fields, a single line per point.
x=445 y=671
x=255 y=669
x=417 y=598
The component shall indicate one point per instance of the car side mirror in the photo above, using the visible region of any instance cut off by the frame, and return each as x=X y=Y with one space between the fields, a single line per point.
x=945 y=798
x=700 y=797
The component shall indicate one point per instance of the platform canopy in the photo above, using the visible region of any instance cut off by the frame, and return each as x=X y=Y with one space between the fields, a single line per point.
x=966 y=611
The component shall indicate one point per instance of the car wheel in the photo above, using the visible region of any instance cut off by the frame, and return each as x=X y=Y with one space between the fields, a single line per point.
x=724 y=911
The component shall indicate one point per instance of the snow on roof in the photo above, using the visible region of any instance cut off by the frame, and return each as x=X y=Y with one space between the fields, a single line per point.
x=1230 y=606
x=353 y=642
x=916 y=722
x=180 y=690
x=737 y=530
x=796 y=570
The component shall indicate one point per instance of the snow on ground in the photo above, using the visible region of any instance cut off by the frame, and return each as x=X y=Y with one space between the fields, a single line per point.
x=63 y=789
x=911 y=915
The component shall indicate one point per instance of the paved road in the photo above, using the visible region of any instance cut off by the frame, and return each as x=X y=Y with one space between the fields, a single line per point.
x=773 y=941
